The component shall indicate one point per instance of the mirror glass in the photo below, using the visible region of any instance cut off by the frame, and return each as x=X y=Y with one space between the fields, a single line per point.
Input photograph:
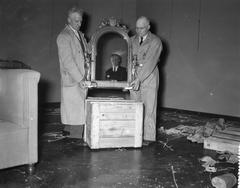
x=108 y=44
x=110 y=38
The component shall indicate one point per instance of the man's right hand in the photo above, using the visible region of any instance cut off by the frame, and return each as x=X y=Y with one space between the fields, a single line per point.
x=82 y=84
x=92 y=84
x=87 y=84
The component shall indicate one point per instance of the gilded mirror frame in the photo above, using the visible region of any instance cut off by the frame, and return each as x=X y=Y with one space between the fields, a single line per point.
x=110 y=25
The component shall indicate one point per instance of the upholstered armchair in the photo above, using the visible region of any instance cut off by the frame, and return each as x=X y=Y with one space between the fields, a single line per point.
x=18 y=117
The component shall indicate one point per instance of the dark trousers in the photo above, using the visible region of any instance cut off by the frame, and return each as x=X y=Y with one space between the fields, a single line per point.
x=76 y=131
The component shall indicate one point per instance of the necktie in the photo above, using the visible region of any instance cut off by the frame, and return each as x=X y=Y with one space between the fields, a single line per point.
x=141 y=40
x=81 y=42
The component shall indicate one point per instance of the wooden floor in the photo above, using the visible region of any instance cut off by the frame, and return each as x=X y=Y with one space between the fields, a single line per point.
x=170 y=162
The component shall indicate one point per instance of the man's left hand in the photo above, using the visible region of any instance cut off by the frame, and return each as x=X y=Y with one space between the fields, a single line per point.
x=135 y=84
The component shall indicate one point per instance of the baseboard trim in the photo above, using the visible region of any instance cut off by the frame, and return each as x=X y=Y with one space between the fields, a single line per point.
x=205 y=114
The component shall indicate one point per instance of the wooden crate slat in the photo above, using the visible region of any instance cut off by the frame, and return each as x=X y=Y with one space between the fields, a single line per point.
x=127 y=108
x=117 y=133
x=93 y=129
x=221 y=144
x=115 y=116
x=113 y=124
x=226 y=136
x=235 y=129
x=230 y=132
x=117 y=142
x=116 y=123
x=138 y=125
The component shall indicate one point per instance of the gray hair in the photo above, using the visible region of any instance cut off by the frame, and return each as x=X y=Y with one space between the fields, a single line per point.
x=75 y=9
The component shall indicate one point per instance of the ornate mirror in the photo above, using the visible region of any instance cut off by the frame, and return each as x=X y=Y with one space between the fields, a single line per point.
x=111 y=38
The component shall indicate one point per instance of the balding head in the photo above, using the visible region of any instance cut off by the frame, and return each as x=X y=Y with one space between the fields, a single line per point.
x=115 y=60
x=143 y=20
x=142 y=26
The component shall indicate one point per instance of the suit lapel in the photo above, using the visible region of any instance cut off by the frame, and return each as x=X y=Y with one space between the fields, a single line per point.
x=82 y=43
x=149 y=36
x=79 y=38
x=142 y=50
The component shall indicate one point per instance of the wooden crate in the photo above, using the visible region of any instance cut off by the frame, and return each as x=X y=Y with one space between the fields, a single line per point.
x=226 y=140
x=113 y=123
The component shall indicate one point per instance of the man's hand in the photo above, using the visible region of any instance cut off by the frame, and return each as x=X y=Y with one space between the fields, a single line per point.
x=92 y=84
x=87 y=84
x=135 y=84
x=82 y=84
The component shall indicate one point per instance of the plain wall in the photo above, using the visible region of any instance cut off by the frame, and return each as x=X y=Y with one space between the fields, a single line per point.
x=200 y=61
x=29 y=28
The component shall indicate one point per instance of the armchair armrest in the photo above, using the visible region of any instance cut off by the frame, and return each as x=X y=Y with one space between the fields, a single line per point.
x=19 y=96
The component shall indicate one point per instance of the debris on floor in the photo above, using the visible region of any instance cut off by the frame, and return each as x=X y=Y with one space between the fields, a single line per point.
x=54 y=136
x=174 y=178
x=165 y=145
x=228 y=157
x=197 y=133
x=224 y=140
x=208 y=163
x=224 y=181
x=223 y=167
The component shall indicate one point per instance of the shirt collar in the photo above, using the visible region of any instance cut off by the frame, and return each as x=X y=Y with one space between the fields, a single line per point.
x=74 y=30
x=144 y=37
x=115 y=68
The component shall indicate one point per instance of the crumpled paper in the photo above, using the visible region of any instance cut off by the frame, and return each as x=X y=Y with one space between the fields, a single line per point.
x=197 y=133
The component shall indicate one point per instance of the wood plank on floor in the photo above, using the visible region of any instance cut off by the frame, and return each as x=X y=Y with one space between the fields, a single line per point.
x=225 y=140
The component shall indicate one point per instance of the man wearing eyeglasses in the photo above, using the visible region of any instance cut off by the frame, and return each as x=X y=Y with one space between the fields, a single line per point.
x=146 y=48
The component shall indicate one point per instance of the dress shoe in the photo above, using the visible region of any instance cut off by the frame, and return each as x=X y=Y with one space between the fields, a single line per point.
x=65 y=133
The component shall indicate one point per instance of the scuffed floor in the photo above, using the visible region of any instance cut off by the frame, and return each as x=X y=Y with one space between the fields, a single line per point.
x=173 y=161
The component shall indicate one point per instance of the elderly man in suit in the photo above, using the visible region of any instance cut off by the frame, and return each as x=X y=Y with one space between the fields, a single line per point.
x=71 y=49
x=146 y=48
x=116 y=72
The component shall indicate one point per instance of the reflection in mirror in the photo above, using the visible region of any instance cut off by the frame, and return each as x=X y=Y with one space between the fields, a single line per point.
x=110 y=38
x=108 y=44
